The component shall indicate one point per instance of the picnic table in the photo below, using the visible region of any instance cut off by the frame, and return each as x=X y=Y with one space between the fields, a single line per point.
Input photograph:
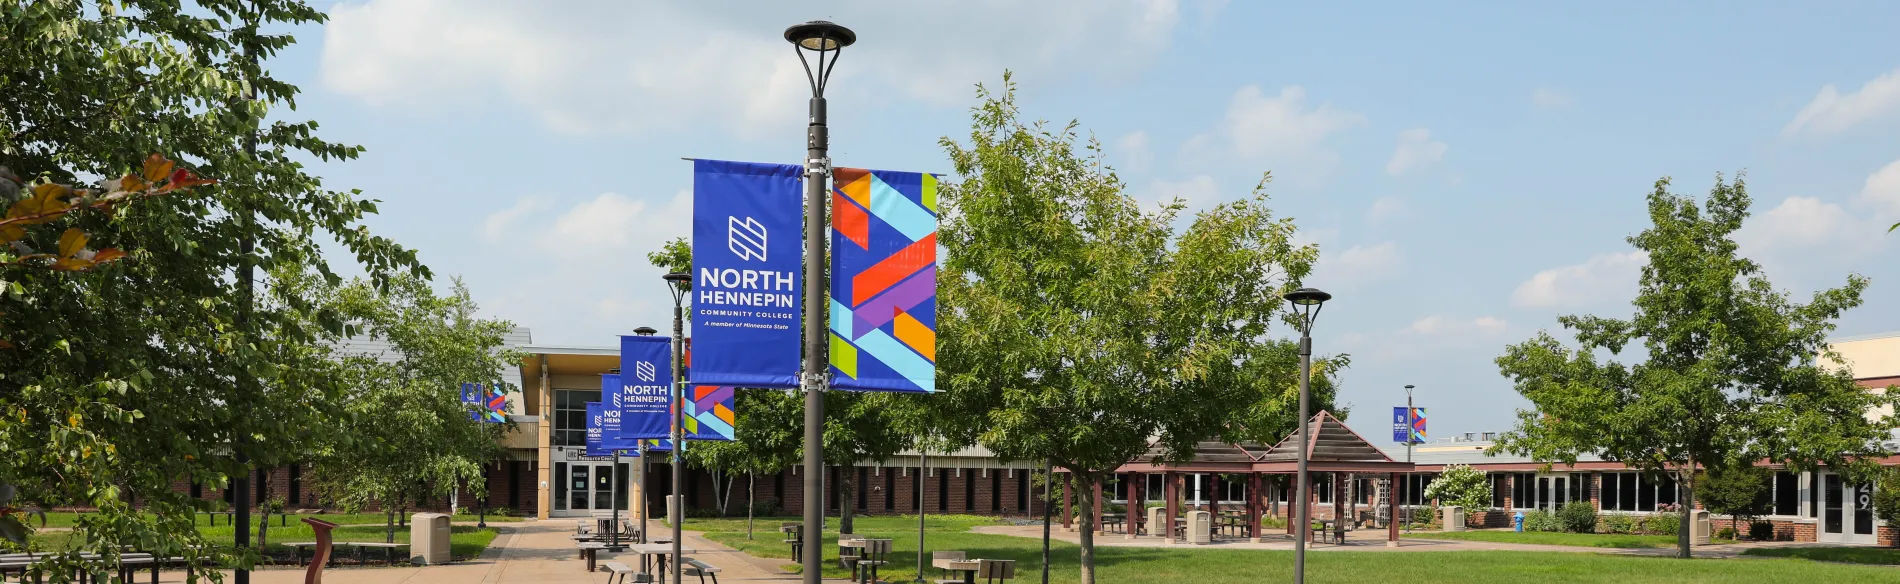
x=966 y=567
x=127 y=566
x=657 y=552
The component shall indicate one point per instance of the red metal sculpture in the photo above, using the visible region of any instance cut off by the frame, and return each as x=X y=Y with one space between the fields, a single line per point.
x=314 y=574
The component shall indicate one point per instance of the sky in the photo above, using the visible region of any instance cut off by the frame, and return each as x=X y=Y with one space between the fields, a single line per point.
x=1470 y=172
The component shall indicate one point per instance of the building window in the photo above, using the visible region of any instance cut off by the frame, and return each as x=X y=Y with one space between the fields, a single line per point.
x=570 y=415
x=943 y=491
x=1022 y=491
x=296 y=484
x=969 y=494
x=890 y=489
x=1787 y=494
x=864 y=489
x=1636 y=491
x=1413 y=487
x=1157 y=487
x=1523 y=490
x=560 y=486
x=996 y=492
x=1234 y=489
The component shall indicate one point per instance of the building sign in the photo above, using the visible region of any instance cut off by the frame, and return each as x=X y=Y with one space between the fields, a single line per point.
x=1410 y=428
x=748 y=274
x=645 y=392
x=884 y=281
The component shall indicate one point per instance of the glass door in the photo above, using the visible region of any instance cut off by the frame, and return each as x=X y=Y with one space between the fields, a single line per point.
x=1552 y=492
x=1847 y=511
x=580 y=495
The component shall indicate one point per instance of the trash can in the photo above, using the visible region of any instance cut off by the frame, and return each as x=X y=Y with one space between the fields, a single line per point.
x=429 y=538
x=1454 y=518
x=669 y=510
x=1699 y=527
x=1200 y=527
x=1156 y=527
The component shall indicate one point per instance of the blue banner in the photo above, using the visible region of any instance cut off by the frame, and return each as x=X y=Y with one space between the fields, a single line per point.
x=748 y=255
x=612 y=420
x=594 y=422
x=1408 y=427
x=645 y=394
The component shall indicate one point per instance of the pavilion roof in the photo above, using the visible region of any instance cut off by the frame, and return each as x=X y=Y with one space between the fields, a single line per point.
x=1334 y=447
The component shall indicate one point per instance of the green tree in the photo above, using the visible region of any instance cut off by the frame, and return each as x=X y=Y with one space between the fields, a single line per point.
x=141 y=372
x=405 y=434
x=1076 y=326
x=1736 y=489
x=1887 y=496
x=859 y=426
x=1731 y=369
x=1463 y=486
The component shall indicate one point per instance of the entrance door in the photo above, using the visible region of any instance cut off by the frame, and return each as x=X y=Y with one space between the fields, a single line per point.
x=1552 y=492
x=590 y=486
x=1847 y=511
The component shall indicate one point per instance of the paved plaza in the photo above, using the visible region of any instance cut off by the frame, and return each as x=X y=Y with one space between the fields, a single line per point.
x=524 y=553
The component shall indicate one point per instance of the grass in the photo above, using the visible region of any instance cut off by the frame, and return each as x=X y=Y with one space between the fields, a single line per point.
x=465 y=541
x=1595 y=540
x=1849 y=555
x=68 y=518
x=1159 y=565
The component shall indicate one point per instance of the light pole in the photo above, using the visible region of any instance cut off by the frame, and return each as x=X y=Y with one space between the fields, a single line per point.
x=822 y=38
x=680 y=283
x=640 y=467
x=1408 y=448
x=1306 y=301
x=613 y=544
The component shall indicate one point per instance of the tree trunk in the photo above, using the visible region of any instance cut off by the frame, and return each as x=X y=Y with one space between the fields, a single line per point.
x=725 y=495
x=1085 y=524
x=751 y=497
x=1687 y=487
x=847 y=489
x=263 y=525
x=389 y=524
x=1048 y=509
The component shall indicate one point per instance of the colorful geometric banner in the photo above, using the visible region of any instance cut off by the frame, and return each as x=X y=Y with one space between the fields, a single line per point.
x=1408 y=427
x=884 y=281
x=748 y=257
x=492 y=402
x=645 y=392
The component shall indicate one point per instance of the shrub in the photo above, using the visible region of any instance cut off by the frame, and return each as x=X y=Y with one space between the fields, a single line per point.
x=1114 y=508
x=766 y=508
x=1663 y=524
x=1618 y=523
x=1541 y=520
x=1761 y=531
x=502 y=512
x=1725 y=533
x=1578 y=517
x=1887 y=495
x=1272 y=521
x=700 y=513
x=1463 y=486
x=464 y=510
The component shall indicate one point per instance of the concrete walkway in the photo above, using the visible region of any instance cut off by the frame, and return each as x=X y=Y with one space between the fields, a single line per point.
x=524 y=553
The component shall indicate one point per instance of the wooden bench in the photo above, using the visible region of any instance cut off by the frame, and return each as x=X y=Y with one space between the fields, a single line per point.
x=694 y=567
x=617 y=573
x=389 y=553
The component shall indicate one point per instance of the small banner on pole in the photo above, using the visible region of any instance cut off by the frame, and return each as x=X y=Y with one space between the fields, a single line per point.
x=1408 y=428
x=884 y=281
x=490 y=401
x=748 y=273
x=646 y=372
x=709 y=409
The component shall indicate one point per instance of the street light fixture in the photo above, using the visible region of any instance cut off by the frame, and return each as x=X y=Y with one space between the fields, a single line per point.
x=824 y=39
x=640 y=468
x=1306 y=303
x=680 y=284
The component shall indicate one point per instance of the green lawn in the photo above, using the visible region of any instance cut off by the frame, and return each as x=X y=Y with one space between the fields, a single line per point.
x=68 y=518
x=465 y=541
x=1851 y=555
x=1597 y=540
x=1163 y=565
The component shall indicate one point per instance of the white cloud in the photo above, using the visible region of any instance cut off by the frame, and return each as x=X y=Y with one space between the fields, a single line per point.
x=1385 y=208
x=1439 y=325
x=591 y=276
x=1832 y=112
x=1805 y=223
x=1276 y=129
x=1882 y=190
x=1134 y=149
x=1196 y=192
x=1610 y=276
x=617 y=68
x=1416 y=150
x=1549 y=99
x=1360 y=264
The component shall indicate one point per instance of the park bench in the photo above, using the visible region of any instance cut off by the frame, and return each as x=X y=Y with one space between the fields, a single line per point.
x=361 y=547
x=617 y=572
x=694 y=567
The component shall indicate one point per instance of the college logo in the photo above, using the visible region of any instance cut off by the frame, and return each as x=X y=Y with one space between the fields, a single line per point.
x=596 y=423
x=643 y=370
x=617 y=400
x=745 y=238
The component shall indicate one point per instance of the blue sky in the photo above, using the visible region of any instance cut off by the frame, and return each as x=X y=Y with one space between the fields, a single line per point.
x=1470 y=172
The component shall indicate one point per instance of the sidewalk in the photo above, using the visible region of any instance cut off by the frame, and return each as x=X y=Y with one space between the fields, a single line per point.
x=524 y=553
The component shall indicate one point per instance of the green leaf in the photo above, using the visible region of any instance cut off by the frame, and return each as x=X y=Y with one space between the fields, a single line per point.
x=12 y=529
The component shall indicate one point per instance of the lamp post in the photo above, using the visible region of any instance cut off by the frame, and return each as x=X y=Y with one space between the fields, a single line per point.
x=613 y=543
x=822 y=38
x=640 y=468
x=680 y=283
x=1306 y=302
